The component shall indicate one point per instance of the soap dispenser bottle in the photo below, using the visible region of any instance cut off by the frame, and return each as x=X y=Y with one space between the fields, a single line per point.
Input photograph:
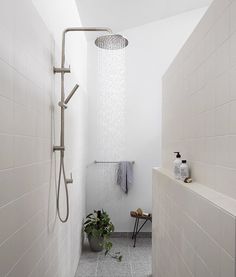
x=184 y=170
x=177 y=164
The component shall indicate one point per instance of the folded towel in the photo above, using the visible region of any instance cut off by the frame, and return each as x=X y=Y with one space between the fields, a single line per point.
x=125 y=175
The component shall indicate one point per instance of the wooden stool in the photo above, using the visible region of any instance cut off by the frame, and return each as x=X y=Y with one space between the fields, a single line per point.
x=137 y=217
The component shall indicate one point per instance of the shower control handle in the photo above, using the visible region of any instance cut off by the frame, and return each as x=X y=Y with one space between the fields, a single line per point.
x=58 y=148
x=61 y=70
x=69 y=181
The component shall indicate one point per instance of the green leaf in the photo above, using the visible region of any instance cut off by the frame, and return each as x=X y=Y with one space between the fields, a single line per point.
x=89 y=215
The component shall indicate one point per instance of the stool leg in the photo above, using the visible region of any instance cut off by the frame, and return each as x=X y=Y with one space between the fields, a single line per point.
x=136 y=232
x=134 y=228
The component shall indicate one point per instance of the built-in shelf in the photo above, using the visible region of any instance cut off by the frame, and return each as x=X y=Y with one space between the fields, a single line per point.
x=221 y=200
x=194 y=226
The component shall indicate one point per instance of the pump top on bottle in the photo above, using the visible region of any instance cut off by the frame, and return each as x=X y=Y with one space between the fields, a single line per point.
x=177 y=155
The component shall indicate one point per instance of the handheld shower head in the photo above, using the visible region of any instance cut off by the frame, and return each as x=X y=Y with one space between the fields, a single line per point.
x=111 y=42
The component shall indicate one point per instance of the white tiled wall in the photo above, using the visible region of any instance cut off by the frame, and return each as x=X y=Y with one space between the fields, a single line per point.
x=32 y=241
x=199 y=101
x=192 y=234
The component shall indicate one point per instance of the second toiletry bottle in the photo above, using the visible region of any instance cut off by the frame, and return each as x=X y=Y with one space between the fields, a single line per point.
x=184 y=170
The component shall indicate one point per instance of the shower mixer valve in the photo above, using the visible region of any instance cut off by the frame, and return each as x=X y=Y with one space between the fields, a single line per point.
x=58 y=148
x=70 y=180
x=61 y=70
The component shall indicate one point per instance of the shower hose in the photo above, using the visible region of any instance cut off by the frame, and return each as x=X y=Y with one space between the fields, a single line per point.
x=62 y=172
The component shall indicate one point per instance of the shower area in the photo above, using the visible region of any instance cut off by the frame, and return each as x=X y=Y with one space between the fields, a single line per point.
x=107 y=133
x=109 y=129
x=109 y=143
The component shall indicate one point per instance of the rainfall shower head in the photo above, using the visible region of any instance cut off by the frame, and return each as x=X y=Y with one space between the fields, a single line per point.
x=111 y=42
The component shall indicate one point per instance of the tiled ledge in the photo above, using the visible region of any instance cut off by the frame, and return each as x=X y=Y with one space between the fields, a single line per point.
x=193 y=227
x=224 y=202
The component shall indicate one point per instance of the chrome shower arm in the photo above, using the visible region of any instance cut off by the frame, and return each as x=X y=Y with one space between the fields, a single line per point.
x=87 y=29
x=79 y=29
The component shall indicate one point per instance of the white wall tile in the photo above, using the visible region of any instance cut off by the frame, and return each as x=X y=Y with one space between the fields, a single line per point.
x=6 y=115
x=232 y=117
x=6 y=80
x=24 y=120
x=201 y=269
x=209 y=123
x=233 y=17
x=20 y=92
x=223 y=58
x=231 y=148
x=21 y=156
x=223 y=27
x=222 y=89
x=227 y=265
x=6 y=47
x=232 y=43
x=233 y=83
x=222 y=117
x=227 y=233
x=6 y=151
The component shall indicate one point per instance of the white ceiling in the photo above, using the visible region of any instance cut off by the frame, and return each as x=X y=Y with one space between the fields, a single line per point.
x=124 y=14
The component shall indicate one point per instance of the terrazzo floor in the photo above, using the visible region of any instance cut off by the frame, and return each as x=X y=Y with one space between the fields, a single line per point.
x=136 y=261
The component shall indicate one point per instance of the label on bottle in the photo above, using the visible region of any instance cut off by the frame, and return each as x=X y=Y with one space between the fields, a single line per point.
x=184 y=173
x=177 y=171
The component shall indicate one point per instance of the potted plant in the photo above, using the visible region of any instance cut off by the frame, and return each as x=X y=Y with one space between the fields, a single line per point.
x=98 y=228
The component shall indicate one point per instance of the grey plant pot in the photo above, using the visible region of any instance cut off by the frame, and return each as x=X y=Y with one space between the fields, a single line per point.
x=96 y=244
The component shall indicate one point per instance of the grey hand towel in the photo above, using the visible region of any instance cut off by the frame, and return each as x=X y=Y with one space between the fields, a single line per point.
x=125 y=175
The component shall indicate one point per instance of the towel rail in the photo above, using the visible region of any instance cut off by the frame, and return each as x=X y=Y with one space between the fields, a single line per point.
x=109 y=162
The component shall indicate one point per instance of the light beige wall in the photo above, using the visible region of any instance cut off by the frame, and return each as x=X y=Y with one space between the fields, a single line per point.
x=199 y=101
x=32 y=240
x=194 y=224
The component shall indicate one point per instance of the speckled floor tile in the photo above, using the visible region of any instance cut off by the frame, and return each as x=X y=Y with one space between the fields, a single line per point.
x=141 y=268
x=86 y=269
x=136 y=261
x=108 y=269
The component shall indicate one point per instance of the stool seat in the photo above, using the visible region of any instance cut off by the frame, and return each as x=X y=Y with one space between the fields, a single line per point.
x=137 y=229
x=135 y=215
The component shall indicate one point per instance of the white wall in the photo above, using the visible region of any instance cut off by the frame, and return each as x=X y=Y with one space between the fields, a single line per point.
x=199 y=101
x=59 y=15
x=32 y=242
x=197 y=220
x=136 y=132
